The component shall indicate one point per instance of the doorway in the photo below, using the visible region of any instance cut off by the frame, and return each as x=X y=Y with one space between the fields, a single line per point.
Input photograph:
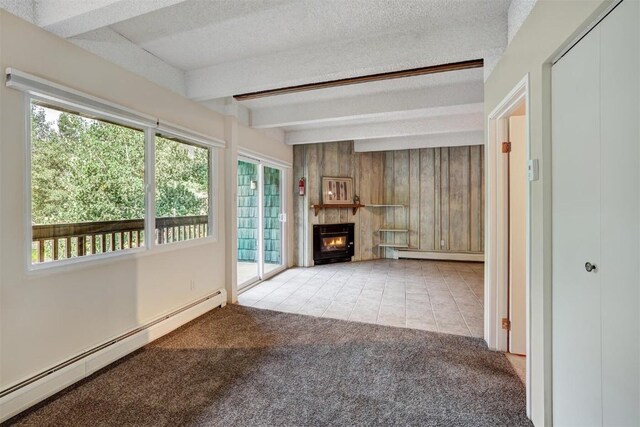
x=507 y=272
x=260 y=218
x=517 y=235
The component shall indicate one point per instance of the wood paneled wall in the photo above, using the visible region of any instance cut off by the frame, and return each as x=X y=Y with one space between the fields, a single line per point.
x=443 y=189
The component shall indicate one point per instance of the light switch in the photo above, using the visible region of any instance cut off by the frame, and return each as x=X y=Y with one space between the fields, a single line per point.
x=532 y=170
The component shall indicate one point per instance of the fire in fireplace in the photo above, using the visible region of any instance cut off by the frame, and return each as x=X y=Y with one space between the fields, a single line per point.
x=332 y=243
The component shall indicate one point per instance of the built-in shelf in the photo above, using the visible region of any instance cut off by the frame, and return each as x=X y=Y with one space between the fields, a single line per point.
x=393 y=245
x=389 y=229
x=354 y=207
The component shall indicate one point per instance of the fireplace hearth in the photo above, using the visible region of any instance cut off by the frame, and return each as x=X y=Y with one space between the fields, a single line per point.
x=333 y=243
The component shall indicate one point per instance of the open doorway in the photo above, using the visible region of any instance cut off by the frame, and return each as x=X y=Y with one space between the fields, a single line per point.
x=516 y=158
x=507 y=272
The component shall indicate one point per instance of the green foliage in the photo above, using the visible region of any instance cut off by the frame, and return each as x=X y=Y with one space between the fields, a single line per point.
x=182 y=176
x=86 y=170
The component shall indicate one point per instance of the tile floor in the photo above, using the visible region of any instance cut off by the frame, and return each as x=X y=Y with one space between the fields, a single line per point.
x=431 y=295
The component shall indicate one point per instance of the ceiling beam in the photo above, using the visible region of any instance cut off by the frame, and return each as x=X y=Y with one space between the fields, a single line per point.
x=68 y=19
x=456 y=139
x=423 y=126
x=421 y=71
x=428 y=101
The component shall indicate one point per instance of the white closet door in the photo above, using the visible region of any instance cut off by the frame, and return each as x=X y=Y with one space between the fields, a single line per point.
x=576 y=318
x=619 y=275
x=596 y=218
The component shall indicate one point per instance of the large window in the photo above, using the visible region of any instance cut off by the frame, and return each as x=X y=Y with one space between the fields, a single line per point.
x=182 y=190
x=87 y=185
x=89 y=181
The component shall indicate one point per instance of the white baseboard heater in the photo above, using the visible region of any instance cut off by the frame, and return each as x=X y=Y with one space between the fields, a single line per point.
x=440 y=256
x=30 y=391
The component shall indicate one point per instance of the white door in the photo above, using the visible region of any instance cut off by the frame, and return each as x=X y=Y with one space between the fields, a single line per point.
x=595 y=194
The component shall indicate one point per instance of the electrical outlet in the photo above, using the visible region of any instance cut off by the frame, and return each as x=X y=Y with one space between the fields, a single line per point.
x=442 y=243
x=192 y=284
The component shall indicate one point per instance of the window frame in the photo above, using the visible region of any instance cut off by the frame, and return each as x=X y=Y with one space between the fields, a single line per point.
x=150 y=132
x=212 y=225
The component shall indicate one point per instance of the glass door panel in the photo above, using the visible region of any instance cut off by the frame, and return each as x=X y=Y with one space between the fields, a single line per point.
x=248 y=223
x=272 y=217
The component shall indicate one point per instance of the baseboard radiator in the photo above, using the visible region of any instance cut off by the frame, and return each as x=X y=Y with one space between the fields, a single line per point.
x=439 y=256
x=32 y=390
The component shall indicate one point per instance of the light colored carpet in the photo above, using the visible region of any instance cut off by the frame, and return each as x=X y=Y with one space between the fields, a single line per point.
x=241 y=366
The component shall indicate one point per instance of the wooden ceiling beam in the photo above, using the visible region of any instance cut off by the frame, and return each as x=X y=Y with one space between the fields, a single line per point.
x=443 y=68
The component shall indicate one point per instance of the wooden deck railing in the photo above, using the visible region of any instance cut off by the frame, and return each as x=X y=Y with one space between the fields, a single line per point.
x=61 y=241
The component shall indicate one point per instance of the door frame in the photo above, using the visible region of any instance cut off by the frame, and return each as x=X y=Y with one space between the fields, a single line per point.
x=497 y=228
x=261 y=163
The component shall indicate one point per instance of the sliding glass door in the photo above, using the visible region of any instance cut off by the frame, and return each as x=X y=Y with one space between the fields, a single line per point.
x=260 y=221
x=272 y=223
x=248 y=199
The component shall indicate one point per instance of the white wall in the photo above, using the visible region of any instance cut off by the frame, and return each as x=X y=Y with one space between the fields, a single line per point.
x=52 y=315
x=550 y=26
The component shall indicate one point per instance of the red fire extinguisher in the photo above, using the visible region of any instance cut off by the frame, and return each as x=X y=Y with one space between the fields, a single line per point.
x=301 y=187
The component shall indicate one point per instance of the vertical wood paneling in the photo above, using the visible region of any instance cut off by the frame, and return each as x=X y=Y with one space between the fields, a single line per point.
x=366 y=228
x=377 y=197
x=389 y=198
x=427 y=199
x=459 y=199
x=330 y=167
x=442 y=187
x=476 y=196
x=414 y=199
x=401 y=193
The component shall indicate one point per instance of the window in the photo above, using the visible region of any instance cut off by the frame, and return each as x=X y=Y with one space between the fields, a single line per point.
x=87 y=185
x=101 y=175
x=182 y=190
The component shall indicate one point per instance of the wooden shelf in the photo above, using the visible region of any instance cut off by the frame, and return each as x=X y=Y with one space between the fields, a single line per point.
x=392 y=230
x=386 y=206
x=354 y=207
x=393 y=245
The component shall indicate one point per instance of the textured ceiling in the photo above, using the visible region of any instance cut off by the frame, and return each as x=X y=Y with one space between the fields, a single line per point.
x=210 y=50
x=200 y=33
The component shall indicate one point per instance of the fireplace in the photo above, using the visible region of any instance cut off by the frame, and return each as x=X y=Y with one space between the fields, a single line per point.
x=332 y=243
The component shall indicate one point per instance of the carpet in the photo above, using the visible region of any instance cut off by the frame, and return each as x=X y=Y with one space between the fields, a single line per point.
x=241 y=366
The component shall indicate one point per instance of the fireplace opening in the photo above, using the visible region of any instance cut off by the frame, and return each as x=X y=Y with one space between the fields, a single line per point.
x=333 y=243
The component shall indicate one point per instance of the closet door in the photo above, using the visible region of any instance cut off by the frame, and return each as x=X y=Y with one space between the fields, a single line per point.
x=596 y=219
x=619 y=275
x=576 y=194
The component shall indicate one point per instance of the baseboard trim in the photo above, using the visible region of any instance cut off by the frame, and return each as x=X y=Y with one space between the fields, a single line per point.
x=27 y=393
x=440 y=256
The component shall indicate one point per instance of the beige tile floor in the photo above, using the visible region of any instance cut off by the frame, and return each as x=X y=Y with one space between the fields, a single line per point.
x=431 y=295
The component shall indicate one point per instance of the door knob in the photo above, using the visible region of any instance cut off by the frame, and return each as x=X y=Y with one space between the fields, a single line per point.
x=590 y=267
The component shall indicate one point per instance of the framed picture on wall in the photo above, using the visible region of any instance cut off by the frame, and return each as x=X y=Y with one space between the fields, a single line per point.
x=337 y=191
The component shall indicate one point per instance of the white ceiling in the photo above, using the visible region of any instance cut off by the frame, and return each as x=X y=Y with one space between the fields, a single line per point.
x=210 y=50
